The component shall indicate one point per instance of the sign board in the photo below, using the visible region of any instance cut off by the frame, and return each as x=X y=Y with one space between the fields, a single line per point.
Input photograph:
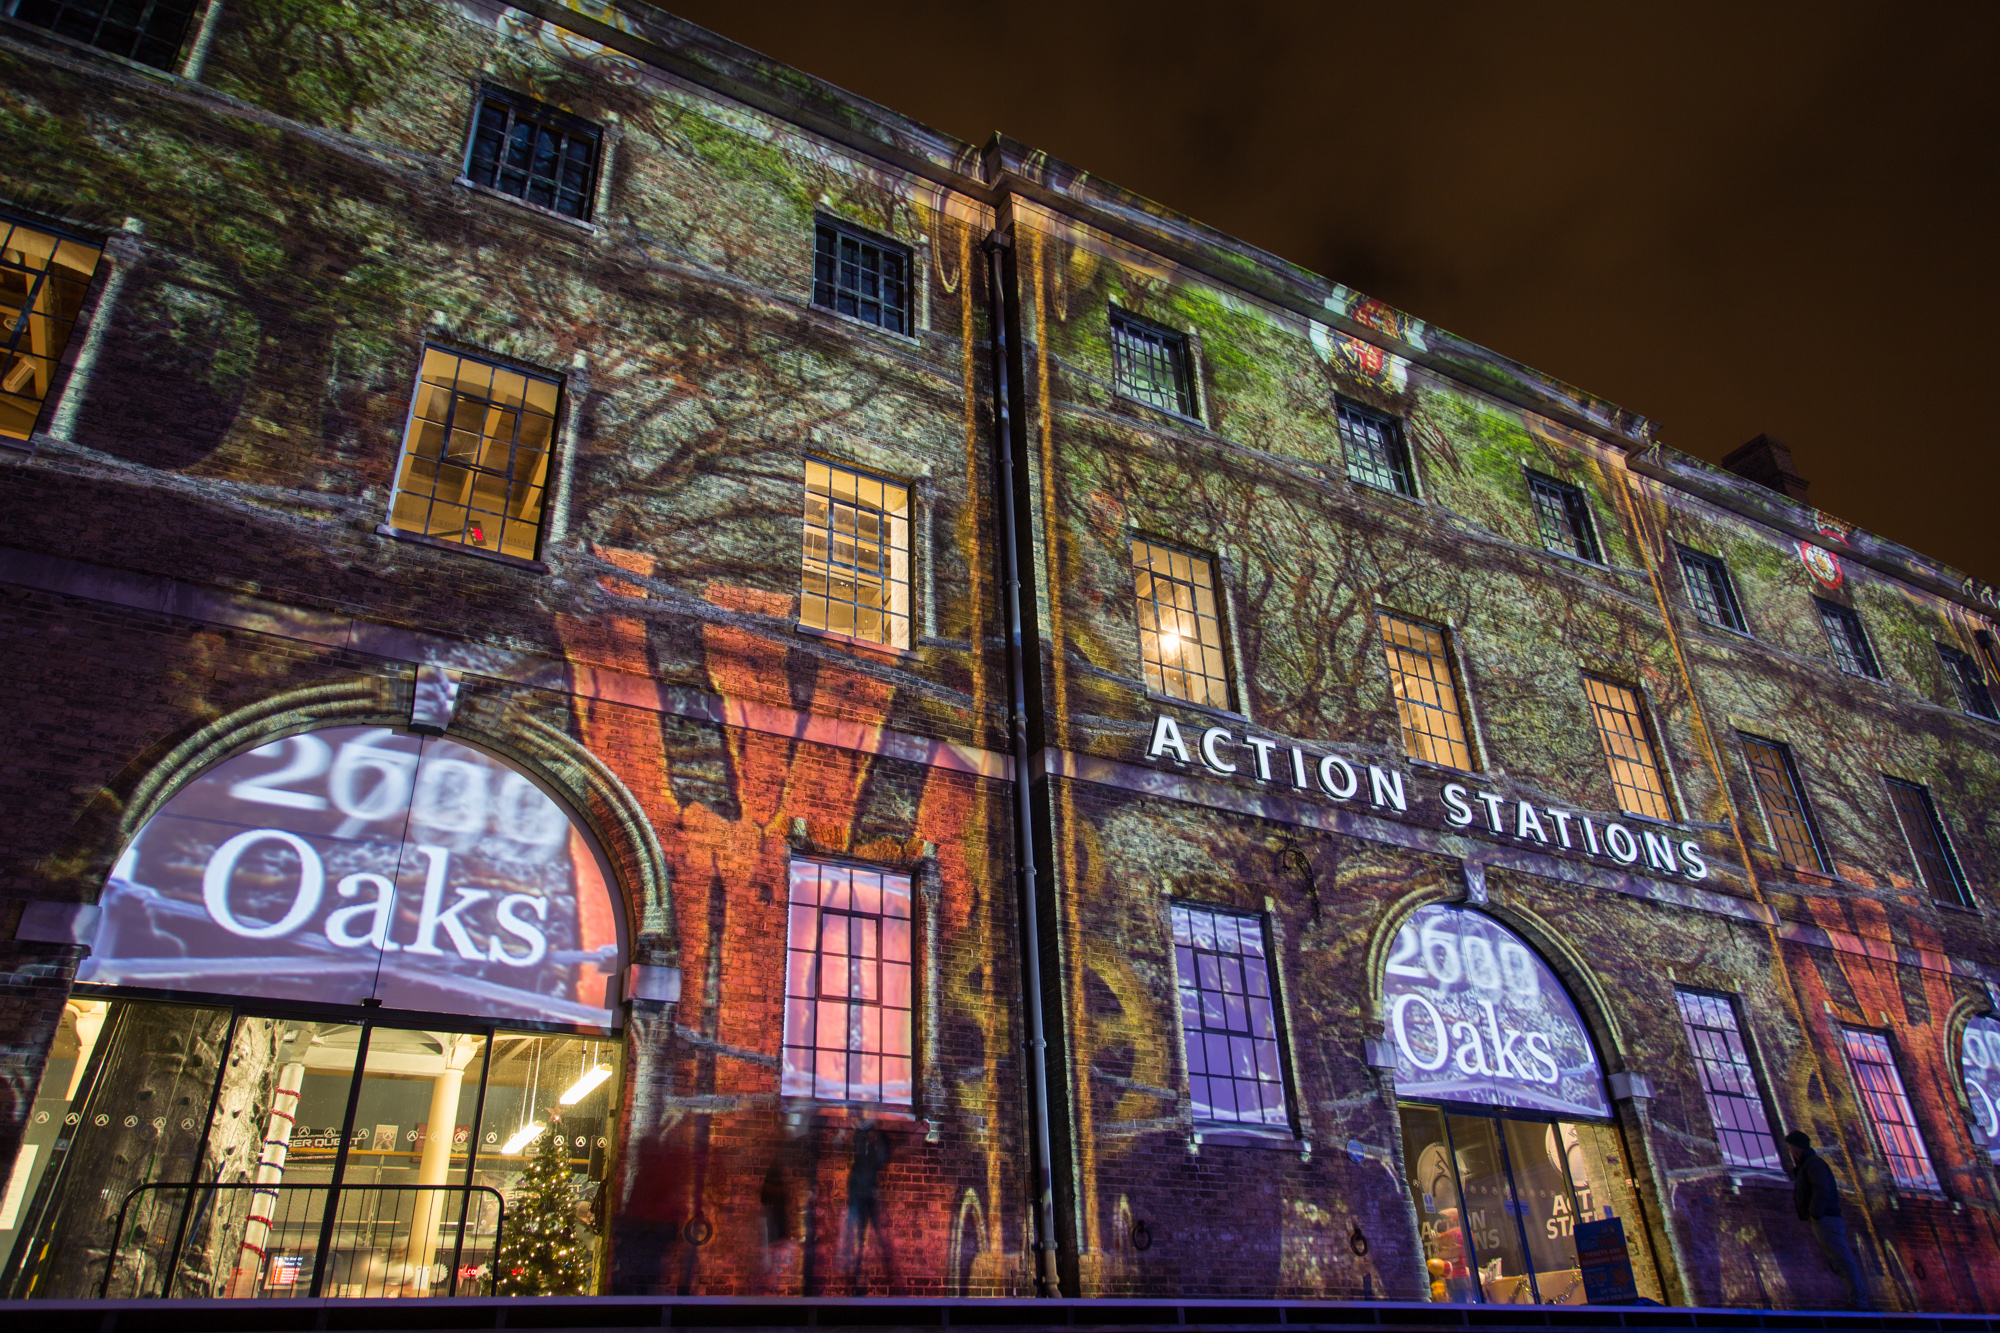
x=1476 y=1016
x=360 y=862
x=1606 y=1263
x=1979 y=1062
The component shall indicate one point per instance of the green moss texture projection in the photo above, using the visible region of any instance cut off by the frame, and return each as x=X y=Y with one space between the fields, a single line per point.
x=201 y=519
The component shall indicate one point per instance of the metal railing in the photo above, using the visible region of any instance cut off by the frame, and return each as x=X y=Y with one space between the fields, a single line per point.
x=278 y=1241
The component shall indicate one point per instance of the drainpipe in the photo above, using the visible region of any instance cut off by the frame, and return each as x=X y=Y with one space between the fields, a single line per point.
x=1047 y=1281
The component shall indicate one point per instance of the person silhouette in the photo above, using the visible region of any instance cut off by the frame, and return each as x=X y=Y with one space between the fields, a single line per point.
x=872 y=1151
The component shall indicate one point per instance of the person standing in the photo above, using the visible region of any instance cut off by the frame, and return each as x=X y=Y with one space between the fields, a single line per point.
x=1816 y=1194
x=871 y=1153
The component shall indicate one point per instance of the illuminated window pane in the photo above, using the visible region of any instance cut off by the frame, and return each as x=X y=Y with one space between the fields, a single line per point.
x=1849 y=640
x=1711 y=592
x=1420 y=676
x=1628 y=749
x=1376 y=455
x=1937 y=865
x=148 y=31
x=848 y=985
x=1229 y=1018
x=476 y=454
x=1150 y=363
x=533 y=152
x=1968 y=682
x=43 y=278
x=1777 y=780
x=856 y=576
x=1564 y=517
x=861 y=276
x=1728 y=1081
x=1180 y=624
x=1889 y=1110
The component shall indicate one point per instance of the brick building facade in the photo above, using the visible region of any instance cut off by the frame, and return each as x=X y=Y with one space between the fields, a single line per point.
x=994 y=737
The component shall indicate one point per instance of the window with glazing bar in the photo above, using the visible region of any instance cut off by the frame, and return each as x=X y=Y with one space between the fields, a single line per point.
x=1376 y=454
x=847 y=985
x=1849 y=640
x=1728 y=1082
x=1968 y=682
x=43 y=278
x=533 y=152
x=857 y=555
x=1628 y=748
x=1564 y=516
x=1229 y=1018
x=476 y=457
x=1777 y=781
x=1424 y=684
x=1149 y=362
x=1889 y=1111
x=862 y=276
x=1180 y=624
x=1937 y=865
x=148 y=31
x=1711 y=591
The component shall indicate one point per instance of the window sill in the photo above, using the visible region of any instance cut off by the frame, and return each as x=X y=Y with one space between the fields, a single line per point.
x=498 y=557
x=852 y=1113
x=1222 y=1134
x=37 y=32
x=536 y=210
x=1124 y=395
x=1963 y=909
x=1211 y=710
x=1575 y=559
x=1719 y=628
x=1372 y=489
x=1432 y=766
x=855 y=321
x=856 y=641
x=1650 y=819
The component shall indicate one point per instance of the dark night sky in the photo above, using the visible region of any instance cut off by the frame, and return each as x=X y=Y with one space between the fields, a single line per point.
x=1732 y=219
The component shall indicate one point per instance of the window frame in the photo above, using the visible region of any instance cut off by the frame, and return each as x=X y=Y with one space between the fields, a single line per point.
x=841 y=229
x=1222 y=624
x=1576 y=508
x=1968 y=683
x=1934 y=820
x=551 y=471
x=907 y=618
x=1748 y=1064
x=1649 y=732
x=1788 y=769
x=1859 y=657
x=1447 y=651
x=522 y=107
x=1721 y=590
x=173 y=57
x=1280 y=1038
x=1174 y=345
x=915 y=997
x=36 y=281
x=1863 y=1095
x=1401 y=464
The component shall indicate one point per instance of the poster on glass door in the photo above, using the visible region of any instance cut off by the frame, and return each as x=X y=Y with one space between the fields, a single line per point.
x=360 y=862
x=1476 y=1016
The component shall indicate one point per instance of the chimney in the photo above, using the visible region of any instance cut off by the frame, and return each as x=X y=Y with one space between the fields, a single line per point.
x=1768 y=463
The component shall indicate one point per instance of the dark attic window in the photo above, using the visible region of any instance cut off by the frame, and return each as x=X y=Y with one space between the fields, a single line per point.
x=861 y=276
x=533 y=152
x=148 y=31
x=1149 y=362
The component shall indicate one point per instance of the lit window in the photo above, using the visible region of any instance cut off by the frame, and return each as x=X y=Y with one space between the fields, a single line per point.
x=476 y=459
x=1777 y=781
x=1180 y=628
x=1889 y=1111
x=1229 y=1018
x=42 y=281
x=148 y=31
x=861 y=276
x=1375 y=452
x=857 y=555
x=533 y=152
x=1711 y=592
x=1849 y=640
x=1967 y=682
x=1628 y=749
x=1564 y=516
x=1937 y=865
x=847 y=985
x=1728 y=1081
x=1420 y=676
x=1150 y=363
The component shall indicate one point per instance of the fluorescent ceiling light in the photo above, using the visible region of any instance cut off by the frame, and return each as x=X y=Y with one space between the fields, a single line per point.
x=523 y=1136
x=586 y=1084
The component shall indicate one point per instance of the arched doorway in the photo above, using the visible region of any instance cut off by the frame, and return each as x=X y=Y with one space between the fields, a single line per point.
x=348 y=1010
x=1508 y=1136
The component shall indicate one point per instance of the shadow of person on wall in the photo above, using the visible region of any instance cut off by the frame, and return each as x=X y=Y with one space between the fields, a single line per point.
x=872 y=1151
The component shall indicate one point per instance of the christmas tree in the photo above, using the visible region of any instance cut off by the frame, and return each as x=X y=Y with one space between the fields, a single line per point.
x=541 y=1254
